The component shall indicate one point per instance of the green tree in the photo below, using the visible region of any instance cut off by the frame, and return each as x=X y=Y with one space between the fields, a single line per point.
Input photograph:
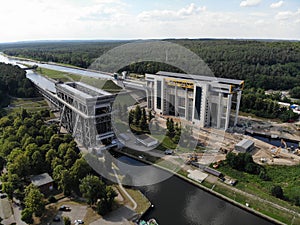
x=34 y=200
x=131 y=117
x=79 y=170
x=277 y=192
x=137 y=115
x=67 y=221
x=143 y=121
x=104 y=205
x=170 y=128
x=92 y=188
x=295 y=92
x=26 y=216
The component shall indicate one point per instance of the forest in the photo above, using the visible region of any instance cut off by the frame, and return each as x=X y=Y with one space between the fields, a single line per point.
x=13 y=82
x=262 y=64
x=29 y=146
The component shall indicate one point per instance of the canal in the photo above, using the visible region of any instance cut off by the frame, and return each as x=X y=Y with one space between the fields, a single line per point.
x=81 y=72
x=179 y=202
x=276 y=142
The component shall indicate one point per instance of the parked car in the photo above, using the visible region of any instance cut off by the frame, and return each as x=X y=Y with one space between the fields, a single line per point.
x=78 y=222
x=64 y=208
x=56 y=218
x=169 y=152
x=3 y=196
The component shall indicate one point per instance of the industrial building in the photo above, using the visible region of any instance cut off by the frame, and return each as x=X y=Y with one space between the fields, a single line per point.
x=204 y=100
x=86 y=113
x=245 y=146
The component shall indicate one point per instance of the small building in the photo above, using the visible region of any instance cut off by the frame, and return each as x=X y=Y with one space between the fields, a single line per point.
x=43 y=181
x=245 y=145
x=213 y=172
x=124 y=137
x=197 y=175
x=147 y=141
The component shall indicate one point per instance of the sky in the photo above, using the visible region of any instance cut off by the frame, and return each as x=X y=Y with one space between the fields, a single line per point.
x=22 y=20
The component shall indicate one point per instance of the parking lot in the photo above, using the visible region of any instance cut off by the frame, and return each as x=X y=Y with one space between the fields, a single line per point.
x=77 y=212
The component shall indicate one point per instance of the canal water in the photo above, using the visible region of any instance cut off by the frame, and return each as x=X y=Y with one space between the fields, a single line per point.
x=177 y=202
x=276 y=142
x=81 y=72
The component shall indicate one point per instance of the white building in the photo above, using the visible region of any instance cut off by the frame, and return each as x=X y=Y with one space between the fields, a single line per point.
x=206 y=101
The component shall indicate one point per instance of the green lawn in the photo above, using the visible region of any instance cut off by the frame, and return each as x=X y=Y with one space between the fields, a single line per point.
x=107 y=85
x=142 y=202
x=32 y=105
x=285 y=176
x=57 y=75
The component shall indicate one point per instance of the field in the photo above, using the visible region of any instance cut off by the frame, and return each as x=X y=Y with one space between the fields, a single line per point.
x=32 y=105
x=107 y=85
x=285 y=176
x=57 y=75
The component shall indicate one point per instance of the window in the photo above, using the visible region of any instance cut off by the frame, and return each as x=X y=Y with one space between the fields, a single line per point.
x=198 y=103
x=158 y=92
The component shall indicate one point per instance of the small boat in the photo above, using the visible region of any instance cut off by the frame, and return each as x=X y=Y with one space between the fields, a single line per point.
x=152 y=222
x=143 y=222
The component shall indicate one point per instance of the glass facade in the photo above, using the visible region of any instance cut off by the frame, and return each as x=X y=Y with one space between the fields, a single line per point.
x=198 y=103
x=158 y=97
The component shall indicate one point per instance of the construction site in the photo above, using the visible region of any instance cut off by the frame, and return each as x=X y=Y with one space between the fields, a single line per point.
x=219 y=144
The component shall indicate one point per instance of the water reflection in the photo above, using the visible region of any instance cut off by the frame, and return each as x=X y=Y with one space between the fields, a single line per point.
x=181 y=203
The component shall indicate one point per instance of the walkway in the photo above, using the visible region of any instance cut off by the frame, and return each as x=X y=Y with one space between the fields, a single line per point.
x=124 y=191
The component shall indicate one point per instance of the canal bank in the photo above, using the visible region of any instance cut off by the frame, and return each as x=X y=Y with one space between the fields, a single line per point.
x=267 y=219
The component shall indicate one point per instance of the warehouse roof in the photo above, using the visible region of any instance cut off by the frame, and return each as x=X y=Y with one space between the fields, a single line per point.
x=245 y=143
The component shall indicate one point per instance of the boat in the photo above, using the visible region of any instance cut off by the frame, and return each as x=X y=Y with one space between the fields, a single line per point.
x=152 y=222
x=149 y=222
x=143 y=222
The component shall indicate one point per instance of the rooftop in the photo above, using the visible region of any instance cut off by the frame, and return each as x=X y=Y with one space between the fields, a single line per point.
x=245 y=143
x=83 y=90
x=42 y=179
x=201 y=77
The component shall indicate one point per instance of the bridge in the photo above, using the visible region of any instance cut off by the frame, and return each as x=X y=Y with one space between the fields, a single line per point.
x=85 y=111
x=34 y=67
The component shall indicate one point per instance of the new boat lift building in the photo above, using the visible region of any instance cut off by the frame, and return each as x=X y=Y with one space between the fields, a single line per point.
x=204 y=100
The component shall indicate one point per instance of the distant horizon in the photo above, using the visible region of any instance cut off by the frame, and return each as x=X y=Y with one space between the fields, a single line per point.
x=148 y=39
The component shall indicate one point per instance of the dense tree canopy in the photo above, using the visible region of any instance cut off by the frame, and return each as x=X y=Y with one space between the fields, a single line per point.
x=263 y=64
x=13 y=81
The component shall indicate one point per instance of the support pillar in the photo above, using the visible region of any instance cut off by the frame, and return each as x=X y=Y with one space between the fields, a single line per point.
x=176 y=101
x=237 y=108
x=219 y=113
x=229 y=101
x=186 y=104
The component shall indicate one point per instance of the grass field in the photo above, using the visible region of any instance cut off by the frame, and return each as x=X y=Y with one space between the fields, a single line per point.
x=285 y=176
x=57 y=75
x=31 y=105
x=142 y=202
x=107 y=85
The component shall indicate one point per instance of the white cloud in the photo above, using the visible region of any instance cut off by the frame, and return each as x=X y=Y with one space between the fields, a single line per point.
x=114 y=19
x=276 y=5
x=248 y=3
x=168 y=15
x=287 y=15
